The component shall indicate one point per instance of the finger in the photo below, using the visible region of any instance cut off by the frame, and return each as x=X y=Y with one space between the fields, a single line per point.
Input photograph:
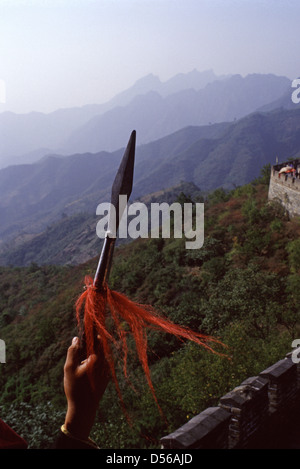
x=88 y=364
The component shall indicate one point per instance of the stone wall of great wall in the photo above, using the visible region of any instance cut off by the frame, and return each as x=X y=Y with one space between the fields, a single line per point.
x=285 y=189
x=260 y=413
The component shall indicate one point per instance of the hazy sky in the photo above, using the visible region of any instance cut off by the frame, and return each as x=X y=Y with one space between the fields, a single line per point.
x=63 y=53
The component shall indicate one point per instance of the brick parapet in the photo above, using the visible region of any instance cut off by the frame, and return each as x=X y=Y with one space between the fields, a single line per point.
x=249 y=416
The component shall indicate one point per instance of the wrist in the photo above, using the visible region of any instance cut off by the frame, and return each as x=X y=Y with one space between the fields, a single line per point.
x=77 y=425
x=79 y=442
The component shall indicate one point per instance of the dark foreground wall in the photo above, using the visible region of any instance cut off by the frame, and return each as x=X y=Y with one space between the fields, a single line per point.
x=263 y=412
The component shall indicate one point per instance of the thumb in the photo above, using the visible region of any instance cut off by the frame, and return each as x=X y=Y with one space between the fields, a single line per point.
x=72 y=359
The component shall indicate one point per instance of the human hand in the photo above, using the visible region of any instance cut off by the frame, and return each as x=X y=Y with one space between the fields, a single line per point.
x=84 y=385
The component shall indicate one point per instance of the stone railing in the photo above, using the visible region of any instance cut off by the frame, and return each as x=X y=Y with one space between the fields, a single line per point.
x=259 y=413
x=286 y=180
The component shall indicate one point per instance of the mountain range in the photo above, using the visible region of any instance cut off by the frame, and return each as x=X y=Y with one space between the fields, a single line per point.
x=198 y=129
x=40 y=134
x=155 y=116
x=154 y=108
x=57 y=188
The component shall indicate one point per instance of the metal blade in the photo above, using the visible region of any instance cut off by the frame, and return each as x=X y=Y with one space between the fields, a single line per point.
x=122 y=185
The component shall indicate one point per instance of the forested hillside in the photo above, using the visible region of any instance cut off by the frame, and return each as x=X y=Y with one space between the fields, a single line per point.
x=241 y=286
x=72 y=239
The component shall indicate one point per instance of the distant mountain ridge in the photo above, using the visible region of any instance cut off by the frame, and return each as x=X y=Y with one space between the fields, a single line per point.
x=233 y=156
x=39 y=134
x=155 y=116
x=154 y=108
x=192 y=80
x=33 y=197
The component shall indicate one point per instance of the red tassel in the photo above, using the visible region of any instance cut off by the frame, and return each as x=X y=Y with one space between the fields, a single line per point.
x=94 y=304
